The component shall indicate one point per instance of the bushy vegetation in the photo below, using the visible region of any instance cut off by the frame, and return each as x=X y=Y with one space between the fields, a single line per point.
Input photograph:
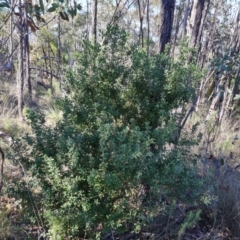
x=110 y=163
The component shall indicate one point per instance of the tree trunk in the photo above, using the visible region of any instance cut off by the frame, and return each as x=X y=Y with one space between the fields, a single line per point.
x=10 y=46
x=94 y=20
x=234 y=43
x=186 y=13
x=20 y=79
x=50 y=66
x=203 y=19
x=26 y=50
x=211 y=46
x=148 y=26
x=176 y=27
x=217 y=99
x=202 y=48
x=59 y=50
x=141 y=36
x=87 y=20
x=195 y=22
x=166 y=21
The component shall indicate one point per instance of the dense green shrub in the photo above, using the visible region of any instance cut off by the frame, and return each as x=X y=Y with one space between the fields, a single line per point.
x=106 y=163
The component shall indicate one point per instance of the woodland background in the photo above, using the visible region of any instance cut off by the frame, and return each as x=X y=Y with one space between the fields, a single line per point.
x=119 y=119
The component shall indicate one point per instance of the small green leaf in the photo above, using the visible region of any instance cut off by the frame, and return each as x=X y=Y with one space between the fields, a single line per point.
x=55 y=5
x=64 y=16
x=79 y=7
x=72 y=12
x=40 y=19
x=51 y=9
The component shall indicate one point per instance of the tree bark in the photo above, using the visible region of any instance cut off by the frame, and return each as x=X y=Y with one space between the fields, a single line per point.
x=210 y=43
x=166 y=21
x=234 y=43
x=202 y=48
x=141 y=35
x=20 y=79
x=217 y=99
x=176 y=27
x=59 y=49
x=50 y=65
x=148 y=26
x=195 y=22
x=94 y=20
x=26 y=50
x=87 y=21
x=186 y=13
x=10 y=46
x=203 y=19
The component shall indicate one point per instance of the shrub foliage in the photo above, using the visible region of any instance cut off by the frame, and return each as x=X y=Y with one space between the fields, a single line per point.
x=106 y=163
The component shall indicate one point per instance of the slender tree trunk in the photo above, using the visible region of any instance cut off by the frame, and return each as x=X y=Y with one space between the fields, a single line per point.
x=50 y=66
x=235 y=37
x=148 y=26
x=186 y=13
x=202 y=55
x=217 y=98
x=195 y=22
x=166 y=21
x=176 y=24
x=45 y=57
x=202 y=48
x=26 y=50
x=141 y=35
x=59 y=51
x=236 y=84
x=87 y=19
x=212 y=31
x=94 y=20
x=10 y=46
x=20 y=78
x=203 y=19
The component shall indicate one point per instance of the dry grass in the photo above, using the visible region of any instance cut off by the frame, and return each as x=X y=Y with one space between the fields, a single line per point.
x=53 y=115
x=223 y=207
x=228 y=204
x=4 y=223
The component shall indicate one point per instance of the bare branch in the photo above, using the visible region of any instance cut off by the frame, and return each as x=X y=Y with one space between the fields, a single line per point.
x=43 y=70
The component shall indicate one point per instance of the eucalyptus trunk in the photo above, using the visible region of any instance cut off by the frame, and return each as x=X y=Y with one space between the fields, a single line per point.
x=235 y=39
x=26 y=51
x=148 y=26
x=59 y=51
x=94 y=20
x=141 y=35
x=10 y=46
x=166 y=22
x=185 y=17
x=20 y=78
x=195 y=22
